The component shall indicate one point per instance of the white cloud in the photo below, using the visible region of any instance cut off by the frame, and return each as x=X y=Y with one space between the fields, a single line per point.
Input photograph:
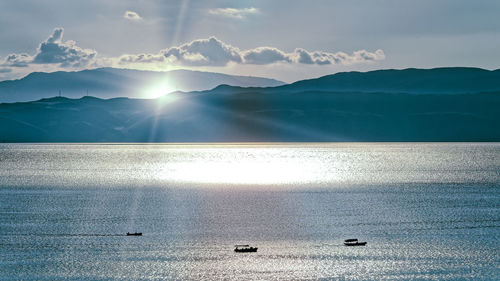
x=324 y=58
x=209 y=51
x=234 y=13
x=130 y=15
x=265 y=55
x=140 y=58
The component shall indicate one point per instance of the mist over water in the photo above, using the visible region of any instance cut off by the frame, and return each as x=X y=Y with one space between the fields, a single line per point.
x=427 y=211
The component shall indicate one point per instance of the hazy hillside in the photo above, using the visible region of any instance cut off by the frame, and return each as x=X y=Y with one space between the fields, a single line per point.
x=110 y=82
x=253 y=116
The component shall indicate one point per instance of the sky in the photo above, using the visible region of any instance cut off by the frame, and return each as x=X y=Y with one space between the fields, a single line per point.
x=287 y=40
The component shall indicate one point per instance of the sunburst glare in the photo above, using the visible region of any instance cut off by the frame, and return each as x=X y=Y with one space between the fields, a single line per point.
x=158 y=89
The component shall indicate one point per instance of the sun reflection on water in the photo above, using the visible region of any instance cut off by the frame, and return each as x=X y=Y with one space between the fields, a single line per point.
x=248 y=166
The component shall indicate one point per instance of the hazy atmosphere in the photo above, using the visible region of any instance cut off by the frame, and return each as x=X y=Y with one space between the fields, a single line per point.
x=249 y=140
x=257 y=38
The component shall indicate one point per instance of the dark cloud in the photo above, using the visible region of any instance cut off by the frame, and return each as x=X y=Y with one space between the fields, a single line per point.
x=303 y=56
x=56 y=36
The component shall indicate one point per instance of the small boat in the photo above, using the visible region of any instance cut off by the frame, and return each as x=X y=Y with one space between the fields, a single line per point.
x=353 y=242
x=134 y=234
x=244 y=249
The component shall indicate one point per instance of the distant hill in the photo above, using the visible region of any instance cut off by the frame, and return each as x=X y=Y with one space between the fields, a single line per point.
x=431 y=81
x=253 y=116
x=111 y=82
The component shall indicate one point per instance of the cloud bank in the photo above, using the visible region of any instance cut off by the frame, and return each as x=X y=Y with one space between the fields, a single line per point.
x=214 y=52
x=54 y=53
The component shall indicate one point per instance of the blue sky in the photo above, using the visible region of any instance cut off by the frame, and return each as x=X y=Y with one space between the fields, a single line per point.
x=287 y=40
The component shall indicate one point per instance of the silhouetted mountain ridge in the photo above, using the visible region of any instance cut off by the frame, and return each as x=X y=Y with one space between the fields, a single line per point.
x=437 y=80
x=213 y=116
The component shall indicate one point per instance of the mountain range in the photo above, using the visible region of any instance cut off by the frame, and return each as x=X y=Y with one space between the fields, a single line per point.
x=450 y=80
x=113 y=82
x=339 y=107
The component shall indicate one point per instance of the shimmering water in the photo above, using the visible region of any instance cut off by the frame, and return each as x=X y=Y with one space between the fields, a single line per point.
x=428 y=211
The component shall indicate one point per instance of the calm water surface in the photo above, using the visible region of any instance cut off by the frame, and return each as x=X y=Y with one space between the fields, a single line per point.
x=428 y=211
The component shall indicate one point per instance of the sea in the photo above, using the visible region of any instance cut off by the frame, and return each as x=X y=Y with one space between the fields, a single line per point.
x=428 y=211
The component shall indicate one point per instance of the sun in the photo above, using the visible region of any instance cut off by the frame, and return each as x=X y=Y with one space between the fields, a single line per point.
x=158 y=89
